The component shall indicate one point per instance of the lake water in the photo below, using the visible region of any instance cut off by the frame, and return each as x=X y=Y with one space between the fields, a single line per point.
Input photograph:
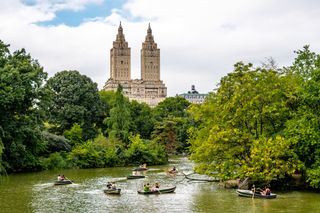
x=35 y=192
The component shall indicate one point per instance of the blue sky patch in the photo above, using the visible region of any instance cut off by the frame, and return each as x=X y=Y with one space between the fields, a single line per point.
x=75 y=18
x=29 y=2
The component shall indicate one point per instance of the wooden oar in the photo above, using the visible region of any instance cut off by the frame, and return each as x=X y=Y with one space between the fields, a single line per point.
x=254 y=191
x=68 y=179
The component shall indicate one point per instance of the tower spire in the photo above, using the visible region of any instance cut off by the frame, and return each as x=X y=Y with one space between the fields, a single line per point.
x=149 y=29
x=120 y=58
x=149 y=36
x=120 y=26
x=120 y=35
x=150 y=58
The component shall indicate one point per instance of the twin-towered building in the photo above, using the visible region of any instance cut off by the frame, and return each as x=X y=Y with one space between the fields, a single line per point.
x=149 y=89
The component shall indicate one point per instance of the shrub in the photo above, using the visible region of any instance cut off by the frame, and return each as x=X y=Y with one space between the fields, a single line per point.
x=54 y=161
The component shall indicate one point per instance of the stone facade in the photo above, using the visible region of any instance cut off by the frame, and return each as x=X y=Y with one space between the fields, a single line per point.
x=149 y=89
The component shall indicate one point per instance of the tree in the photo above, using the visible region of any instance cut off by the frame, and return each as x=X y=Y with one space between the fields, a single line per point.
x=165 y=135
x=142 y=151
x=248 y=112
x=171 y=107
x=74 y=99
x=303 y=129
x=74 y=135
x=142 y=119
x=119 y=120
x=172 y=122
x=271 y=160
x=21 y=123
x=55 y=143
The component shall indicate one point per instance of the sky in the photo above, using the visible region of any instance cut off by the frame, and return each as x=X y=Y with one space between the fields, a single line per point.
x=199 y=40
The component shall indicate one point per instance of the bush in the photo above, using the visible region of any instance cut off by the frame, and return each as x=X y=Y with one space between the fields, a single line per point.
x=103 y=152
x=54 y=161
x=86 y=156
x=140 y=152
x=74 y=135
x=313 y=177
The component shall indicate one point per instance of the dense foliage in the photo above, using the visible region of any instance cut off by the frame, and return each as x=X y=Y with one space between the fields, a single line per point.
x=73 y=98
x=66 y=122
x=303 y=131
x=261 y=123
x=21 y=80
x=172 y=122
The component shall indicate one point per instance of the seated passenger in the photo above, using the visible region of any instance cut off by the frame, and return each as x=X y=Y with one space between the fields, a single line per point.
x=109 y=185
x=143 y=166
x=113 y=186
x=146 y=187
x=136 y=173
x=266 y=191
x=155 y=187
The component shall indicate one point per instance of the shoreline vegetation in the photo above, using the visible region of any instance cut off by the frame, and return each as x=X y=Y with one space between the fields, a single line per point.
x=260 y=123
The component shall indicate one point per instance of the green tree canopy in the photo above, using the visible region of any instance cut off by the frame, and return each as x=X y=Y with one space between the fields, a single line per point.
x=172 y=122
x=119 y=120
x=251 y=104
x=142 y=119
x=21 y=80
x=171 y=107
x=74 y=99
x=303 y=131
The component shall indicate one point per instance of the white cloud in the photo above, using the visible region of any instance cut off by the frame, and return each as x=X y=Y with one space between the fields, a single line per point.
x=56 y=5
x=199 y=40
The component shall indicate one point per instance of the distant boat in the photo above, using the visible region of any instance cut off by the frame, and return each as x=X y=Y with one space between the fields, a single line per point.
x=135 y=176
x=62 y=182
x=249 y=193
x=112 y=191
x=140 y=169
x=173 y=171
x=160 y=191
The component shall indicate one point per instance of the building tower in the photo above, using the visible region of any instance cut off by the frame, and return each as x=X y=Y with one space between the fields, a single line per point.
x=149 y=89
x=150 y=59
x=120 y=58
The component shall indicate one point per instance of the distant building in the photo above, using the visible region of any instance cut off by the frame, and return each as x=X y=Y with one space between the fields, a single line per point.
x=194 y=96
x=149 y=89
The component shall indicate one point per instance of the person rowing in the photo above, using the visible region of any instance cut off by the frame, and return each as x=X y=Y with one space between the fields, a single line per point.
x=173 y=170
x=109 y=185
x=143 y=166
x=156 y=187
x=266 y=191
x=113 y=185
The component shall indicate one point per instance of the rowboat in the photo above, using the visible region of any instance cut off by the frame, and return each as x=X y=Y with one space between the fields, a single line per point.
x=112 y=191
x=249 y=193
x=173 y=171
x=62 y=182
x=140 y=169
x=135 y=176
x=159 y=191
